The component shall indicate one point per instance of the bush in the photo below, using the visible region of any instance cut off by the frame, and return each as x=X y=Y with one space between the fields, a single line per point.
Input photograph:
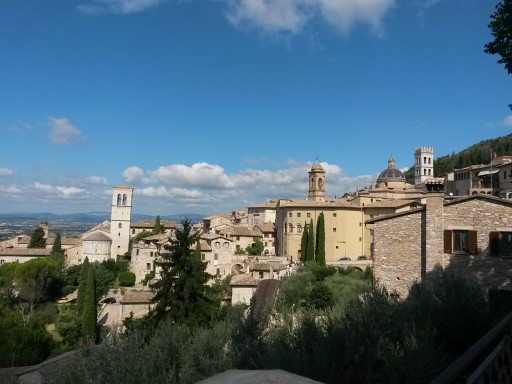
x=126 y=279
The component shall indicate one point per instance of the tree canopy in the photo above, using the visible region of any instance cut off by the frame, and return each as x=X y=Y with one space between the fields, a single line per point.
x=182 y=294
x=37 y=240
x=256 y=248
x=501 y=30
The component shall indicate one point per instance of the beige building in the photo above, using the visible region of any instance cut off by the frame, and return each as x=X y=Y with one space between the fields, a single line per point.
x=471 y=236
x=262 y=213
x=148 y=225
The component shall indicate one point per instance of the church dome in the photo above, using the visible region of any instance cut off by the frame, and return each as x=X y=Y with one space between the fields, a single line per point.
x=316 y=166
x=391 y=176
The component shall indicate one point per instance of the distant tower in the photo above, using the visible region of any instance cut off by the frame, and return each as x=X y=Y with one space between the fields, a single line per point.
x=120 y=219
x=316 y=183
x=423 y=164
x=44 y=226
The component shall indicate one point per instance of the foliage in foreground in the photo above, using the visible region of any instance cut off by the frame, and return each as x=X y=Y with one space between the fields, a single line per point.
x=375 y=338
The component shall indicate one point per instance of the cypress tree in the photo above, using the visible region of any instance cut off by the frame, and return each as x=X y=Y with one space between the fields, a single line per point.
x=304 y=243
x=82 y=285
x=37 y=240
x=310 y=252
x=89 y=312
x=158 y=228
x=57 y=252
x=320 y=239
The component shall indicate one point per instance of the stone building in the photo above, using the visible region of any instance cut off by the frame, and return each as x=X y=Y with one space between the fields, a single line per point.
x=471 y=236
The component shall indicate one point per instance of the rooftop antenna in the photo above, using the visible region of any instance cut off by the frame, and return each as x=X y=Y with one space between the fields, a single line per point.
x=316 y=159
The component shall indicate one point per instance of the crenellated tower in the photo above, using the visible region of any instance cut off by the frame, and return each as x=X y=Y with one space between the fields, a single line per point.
x=423 y=164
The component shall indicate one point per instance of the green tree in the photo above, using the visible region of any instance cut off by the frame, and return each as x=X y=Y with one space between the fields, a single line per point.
x=182 y=293
x=7 y=280
x=304 y=243
x=89 y=311
x=310 y=250
x=82 y=285
x=126 y=279
x=320 y=239
x=35 y=280
x=57 y=253
x=256 y=248
x=158 y=228
x=37 y=240
x=501 y=29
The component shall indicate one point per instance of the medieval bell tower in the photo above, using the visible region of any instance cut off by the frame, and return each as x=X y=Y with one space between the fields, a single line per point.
x=120 y=219
x=316 y=183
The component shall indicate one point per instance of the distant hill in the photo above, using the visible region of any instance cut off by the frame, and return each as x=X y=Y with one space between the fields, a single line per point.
x=476 y=154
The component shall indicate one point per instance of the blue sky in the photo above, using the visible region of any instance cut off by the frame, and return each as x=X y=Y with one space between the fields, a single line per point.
x=206 y=106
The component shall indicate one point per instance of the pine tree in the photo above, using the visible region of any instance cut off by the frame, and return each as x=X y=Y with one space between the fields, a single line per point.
x=310 y=251
x=304 y=243
x=182 y=293
x=89 y=312
x=82 y=285
x=320 y=239
x=37 y=240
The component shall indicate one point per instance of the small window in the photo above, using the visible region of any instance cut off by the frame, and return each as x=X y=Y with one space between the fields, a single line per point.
x=308 y=215
x=290 y=228
x=133 y=231
x=150 y=254
x=460 y=241
x=290 y=214
x=334 y=229
x=261 y=275
x=298 y=214
x=226 y=244
x=334 y=215
x=299 y=228
x=120 y=225
x=217 y=244
x=148 y=266
x=137 y=251
x=215 y=257
x=203 y=257
x=500 y=243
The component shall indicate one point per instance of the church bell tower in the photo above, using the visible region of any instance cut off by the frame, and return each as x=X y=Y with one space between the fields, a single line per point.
x=316 y=183
x=120 y=219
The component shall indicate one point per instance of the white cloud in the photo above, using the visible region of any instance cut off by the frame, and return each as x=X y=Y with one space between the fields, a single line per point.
x=6 y=172
x=290 y=16
x=12 y=189
x=63 y=132
x=133 y=175
x=96 y=180
x=51 y=191
x=122 y=7
x=43 y=187
x=507 y=121
x=68 y=192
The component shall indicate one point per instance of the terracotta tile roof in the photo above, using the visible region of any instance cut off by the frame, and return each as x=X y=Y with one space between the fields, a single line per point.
x=27 y=252
x=334 y=203
x=205 y=246
x=137 y=297
x=97 y=236
x=390 y=203
x=266 y=227
x=222 y=215
x=270 y=204
x=150 y=224
x=245 y=279
x=24 y=240
x=240 y=231
x=266 y=267
x=65 y=241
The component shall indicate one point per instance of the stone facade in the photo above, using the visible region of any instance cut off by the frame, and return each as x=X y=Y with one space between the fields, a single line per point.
x=449 y=236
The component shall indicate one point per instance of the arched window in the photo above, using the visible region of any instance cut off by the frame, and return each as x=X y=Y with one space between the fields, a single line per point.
x=124 y=199
x=425 y=160
x=226 y=244
x=299 y=228
x=290 y=228
x=429 y=172
x=312 y=183
x=424 y=171
x=217 y=244
x=120 y=225
x=429 y=159
x=320 y=183
x=119 y=199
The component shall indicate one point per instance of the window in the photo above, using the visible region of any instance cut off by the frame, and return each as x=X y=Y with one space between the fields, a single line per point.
x=124 y=199
x=120 y=225
x=203 y=257
x=133 y=231
x=334 y=214
x=299 y=228
x=226 y=244
x=500 y=243
x=148 y=266
x=217 y=244
x=215 y=257
x=290 y=226
x=460 y=241
x=424 y=160
x=137 y=251
x=290 y=214
x=298 y=214
x=334 y=229
x=119 y=199
x=150 y=254
x=308 y=215
x=261 y=275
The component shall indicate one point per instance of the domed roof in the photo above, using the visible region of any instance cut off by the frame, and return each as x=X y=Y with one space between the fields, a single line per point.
x=316 y=166
x=391 y=173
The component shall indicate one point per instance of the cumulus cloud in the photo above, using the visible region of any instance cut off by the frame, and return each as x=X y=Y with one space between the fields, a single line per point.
x=19 y=128
x=96 y=180
x=507 y=121
x=11 y=189
x=6 y=172
x=290 y=16
x=122 y=7
x=134 y=175
x=63 y=132
x=51 y=191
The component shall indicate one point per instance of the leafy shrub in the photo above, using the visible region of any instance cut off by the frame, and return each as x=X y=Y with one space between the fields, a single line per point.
x=126 y=279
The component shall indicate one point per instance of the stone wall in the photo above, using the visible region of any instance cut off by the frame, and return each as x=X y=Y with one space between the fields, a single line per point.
x=397 y=250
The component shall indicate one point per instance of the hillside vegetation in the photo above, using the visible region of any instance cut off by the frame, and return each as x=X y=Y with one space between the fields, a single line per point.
x=476 y=154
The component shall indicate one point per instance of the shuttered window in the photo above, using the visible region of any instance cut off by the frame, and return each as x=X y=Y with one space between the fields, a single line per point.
x=500 y=243
x=462 y=241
